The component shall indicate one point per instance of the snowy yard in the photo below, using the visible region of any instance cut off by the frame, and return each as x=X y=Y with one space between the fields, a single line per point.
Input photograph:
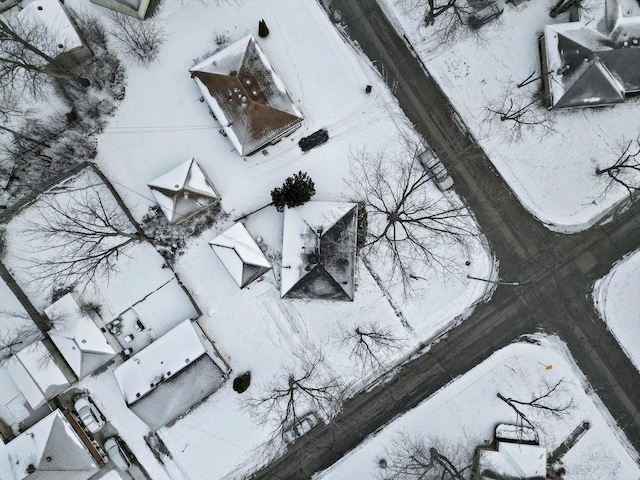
x=160 y=124
x=553 y=173
x=519 y=371
x=616 y=299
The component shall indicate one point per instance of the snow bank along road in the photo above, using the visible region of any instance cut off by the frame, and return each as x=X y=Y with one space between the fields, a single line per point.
x=556 y=272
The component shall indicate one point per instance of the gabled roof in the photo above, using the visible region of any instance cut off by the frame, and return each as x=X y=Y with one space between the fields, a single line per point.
x=53 y=16
x=319 y=251
x=240 y=255
x=514 y=460
x=80 y=341
x=246 y=96
x=587 y=66
x=53 y=449
x=183 y=191
x=169 y=376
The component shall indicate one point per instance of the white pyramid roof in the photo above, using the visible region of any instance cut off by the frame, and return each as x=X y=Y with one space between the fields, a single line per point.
x=183 y=191
x=237 y=250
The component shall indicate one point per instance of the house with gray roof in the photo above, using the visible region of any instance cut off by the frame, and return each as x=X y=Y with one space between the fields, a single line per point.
x=591 y=65
x=319 y=251
x=135 y=8
x=246 y=96
x=50 y=450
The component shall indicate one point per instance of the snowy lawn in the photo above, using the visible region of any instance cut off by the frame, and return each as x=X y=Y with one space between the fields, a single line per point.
x=161 y=123
x=464 y=414
x=551 y=174
x=616 y=299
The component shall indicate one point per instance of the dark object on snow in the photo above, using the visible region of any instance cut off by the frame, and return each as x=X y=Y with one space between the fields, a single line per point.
x=313 y=140
x=484 y=12
x=295 y=191
x=242 y=382
x=263 y=31
x=368 y=89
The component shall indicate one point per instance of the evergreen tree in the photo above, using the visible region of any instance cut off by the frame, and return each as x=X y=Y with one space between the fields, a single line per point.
x=263 y=31
x=295 y=191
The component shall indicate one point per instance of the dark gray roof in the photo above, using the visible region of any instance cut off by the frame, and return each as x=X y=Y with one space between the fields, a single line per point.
x=329 y=271
x=597 y=67
x=179 y=393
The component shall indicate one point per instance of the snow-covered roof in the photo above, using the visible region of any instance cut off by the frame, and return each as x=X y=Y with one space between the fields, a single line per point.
x=183 y=191
x=513 y=460
x=588 y=66
x=155 y=382
x=49 y=450
x=80 y=341
x=240 y=254
x=35 y=374
x=246 y=95
x=319 y=250
x=52 y=15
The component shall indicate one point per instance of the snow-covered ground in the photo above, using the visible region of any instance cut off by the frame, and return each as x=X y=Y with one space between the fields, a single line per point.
x=161 y=123
x=616 y=298
x=516 y=371
x=553 y=176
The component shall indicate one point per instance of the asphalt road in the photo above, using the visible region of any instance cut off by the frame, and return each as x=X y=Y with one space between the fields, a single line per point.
x=556 y=272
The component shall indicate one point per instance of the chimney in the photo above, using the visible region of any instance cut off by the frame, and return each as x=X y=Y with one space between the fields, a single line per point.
x=612 y=14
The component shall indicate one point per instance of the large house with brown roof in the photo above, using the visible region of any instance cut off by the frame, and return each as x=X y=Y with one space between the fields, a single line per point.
x=247 y=96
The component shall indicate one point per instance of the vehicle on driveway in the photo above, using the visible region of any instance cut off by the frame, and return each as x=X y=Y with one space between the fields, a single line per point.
x=300 y=428
x=88 y=413
x=118 y=453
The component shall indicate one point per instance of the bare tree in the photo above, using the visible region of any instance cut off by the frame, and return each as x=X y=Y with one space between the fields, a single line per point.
x=407 y=225
x=28 y=59
x=370 y=344
x=23 y=332
x=295 y=392
x=625 y=169
x=80 y=234
x=412 y=457
x=139 y=39
x=520 y=112
x=445 y=20
x=547 y=401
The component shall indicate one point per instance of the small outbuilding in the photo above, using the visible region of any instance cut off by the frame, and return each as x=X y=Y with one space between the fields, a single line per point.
x=54 y=18
x=247 y=96
x=79 y=340
x=319 y=251
x=240 y=255
x=515 y=453
x=184 y=192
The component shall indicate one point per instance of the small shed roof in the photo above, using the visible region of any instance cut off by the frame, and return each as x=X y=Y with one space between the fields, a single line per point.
x=514 y=460
x=53 y=16
x=319 y=250
x=52 y=448
x=183 y=191
x=80 y=341
x=246 y=95
x=240 y=254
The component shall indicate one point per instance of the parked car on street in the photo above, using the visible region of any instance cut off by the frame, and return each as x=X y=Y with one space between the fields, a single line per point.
x=301 y=427
x=434 y=166
x=117 y=452
x=89 y=414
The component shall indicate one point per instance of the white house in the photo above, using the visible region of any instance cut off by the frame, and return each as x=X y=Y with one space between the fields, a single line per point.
x=240 y=255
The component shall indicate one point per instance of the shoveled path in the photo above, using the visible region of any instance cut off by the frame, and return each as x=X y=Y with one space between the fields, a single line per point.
x=556 y=272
